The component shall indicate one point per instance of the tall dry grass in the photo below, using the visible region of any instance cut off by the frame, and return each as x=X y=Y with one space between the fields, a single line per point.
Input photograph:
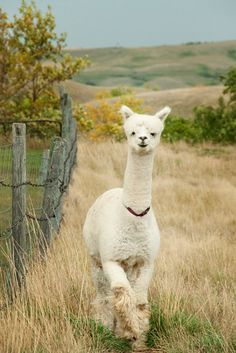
x=194 y=197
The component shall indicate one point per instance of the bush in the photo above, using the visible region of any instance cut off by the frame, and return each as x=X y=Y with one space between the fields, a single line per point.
x=177 y=128
x=216 y=124
x=114 y=92
x=219 y=124
x=103 y=120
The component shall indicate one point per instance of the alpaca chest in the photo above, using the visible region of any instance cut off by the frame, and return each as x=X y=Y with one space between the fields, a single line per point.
x=136 y=239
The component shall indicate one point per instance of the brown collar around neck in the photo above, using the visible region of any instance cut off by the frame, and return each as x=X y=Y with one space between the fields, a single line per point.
x=138 y=214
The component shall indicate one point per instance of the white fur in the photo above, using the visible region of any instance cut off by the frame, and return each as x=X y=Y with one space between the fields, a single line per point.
x=123 y=247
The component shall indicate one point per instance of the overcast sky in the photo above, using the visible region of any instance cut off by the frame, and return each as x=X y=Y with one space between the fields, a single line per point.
x=108 y=23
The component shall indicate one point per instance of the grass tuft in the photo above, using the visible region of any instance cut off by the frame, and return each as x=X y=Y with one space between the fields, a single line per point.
x=199 y=334
x=102 y=337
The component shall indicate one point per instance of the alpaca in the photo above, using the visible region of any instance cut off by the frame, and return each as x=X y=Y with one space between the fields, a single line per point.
x=122 y=235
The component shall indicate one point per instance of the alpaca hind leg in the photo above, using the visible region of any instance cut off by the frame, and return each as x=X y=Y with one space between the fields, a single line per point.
x=102 y=307
x=123 y=301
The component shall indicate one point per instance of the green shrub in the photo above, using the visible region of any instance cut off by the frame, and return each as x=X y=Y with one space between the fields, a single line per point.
x=186 y=53
x=178 y=128
x=120 y=91
x=216 y=124
x=232 y=54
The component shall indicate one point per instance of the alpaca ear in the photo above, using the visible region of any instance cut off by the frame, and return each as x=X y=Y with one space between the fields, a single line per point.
x=126 y=112
x=163 y=113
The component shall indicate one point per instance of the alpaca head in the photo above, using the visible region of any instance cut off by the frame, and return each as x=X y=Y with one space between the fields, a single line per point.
x=143 y=131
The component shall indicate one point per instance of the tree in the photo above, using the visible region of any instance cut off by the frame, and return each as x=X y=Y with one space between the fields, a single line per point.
x=218 y=124
x=32 y=61
x=230 y=85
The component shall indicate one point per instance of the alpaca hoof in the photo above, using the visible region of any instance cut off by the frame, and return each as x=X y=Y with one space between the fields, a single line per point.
x=138 y=346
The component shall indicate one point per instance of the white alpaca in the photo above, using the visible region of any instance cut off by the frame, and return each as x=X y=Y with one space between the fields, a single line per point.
x=122 y=235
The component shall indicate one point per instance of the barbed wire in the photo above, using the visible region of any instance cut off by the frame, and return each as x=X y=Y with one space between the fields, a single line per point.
x=27 y=183
x=63 y=184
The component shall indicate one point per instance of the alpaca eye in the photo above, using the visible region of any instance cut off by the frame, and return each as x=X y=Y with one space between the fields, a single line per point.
x=133 y=133
x=153 y=134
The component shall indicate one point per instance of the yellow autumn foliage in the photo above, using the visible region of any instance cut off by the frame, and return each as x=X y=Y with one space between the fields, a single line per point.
x=102 y=120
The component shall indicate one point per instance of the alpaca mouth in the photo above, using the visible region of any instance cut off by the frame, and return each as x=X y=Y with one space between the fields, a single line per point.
x=142 y=145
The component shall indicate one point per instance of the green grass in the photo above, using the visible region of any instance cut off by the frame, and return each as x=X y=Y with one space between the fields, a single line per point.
x=173 y=66
x=101 y=336
x=197 y=334
x=178 y=332
x=34 y=194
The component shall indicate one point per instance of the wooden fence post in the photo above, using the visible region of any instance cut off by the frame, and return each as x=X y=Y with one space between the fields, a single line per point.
x=19 y=200
x=66 y=108
x=62 y=159
x=73 y=136
x=51 y=213
x=69 y=132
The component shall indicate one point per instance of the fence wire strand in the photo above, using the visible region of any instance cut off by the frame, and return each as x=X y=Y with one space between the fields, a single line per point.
x=34 y=172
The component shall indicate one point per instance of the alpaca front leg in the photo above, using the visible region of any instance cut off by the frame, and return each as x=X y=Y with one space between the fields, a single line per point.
x=123 y=301
x=140 y=288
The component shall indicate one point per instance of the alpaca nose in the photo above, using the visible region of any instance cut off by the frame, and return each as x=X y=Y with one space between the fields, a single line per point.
x=143 y=138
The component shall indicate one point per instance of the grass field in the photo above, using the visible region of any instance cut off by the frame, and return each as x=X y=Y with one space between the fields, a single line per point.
x=163 y=67
x=193 y=289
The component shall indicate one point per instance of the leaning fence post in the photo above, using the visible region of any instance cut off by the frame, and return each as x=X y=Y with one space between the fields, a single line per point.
x=19 y=200
x=66 y=108
x=69 y=132
x=52 y=194
x=73 y=136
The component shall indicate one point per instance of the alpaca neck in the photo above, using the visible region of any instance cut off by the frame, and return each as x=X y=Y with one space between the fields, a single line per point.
x=138 y=181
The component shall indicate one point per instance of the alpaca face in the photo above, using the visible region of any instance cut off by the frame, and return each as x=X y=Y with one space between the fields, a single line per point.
x=143 y=131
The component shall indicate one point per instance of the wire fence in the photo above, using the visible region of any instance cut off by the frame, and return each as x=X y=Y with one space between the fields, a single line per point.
x=32 y=185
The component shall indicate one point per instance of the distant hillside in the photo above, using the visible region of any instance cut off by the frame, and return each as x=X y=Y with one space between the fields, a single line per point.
x=181 y=100
x=82 y=93
x=163 y=67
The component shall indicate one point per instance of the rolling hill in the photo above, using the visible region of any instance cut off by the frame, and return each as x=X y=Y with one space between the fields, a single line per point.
x=181 y=100
x=158 y=68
